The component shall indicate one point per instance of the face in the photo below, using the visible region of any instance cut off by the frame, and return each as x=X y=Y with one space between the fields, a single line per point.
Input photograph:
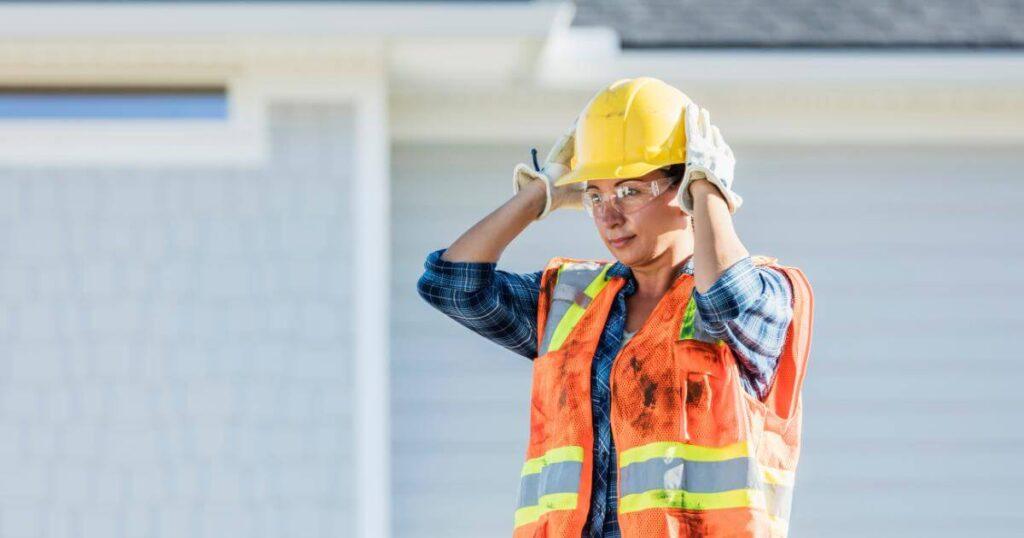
x=638 y=237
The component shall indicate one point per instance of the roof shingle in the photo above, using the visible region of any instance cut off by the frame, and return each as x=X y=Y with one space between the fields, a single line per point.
x=809 y=23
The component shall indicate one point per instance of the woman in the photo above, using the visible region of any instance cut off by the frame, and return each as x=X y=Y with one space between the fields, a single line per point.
x=666 y=385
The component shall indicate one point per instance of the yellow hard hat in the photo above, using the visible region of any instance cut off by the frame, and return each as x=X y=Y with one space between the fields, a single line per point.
x=633 y=126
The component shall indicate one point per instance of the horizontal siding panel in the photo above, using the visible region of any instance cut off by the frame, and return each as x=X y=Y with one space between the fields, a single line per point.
x=908 y=402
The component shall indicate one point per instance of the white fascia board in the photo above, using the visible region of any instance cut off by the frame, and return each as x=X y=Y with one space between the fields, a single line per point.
x=827 y=114
x=756 y=96
x=766 y=67
x=278 y=19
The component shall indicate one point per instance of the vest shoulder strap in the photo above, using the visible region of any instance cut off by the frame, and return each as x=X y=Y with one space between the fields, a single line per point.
x=568 y=285
x=784 y=392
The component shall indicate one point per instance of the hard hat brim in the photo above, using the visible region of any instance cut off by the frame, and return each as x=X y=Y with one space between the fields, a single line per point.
x=599 y=171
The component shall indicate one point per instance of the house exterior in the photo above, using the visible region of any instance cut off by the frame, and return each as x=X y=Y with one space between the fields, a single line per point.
x=210 y=325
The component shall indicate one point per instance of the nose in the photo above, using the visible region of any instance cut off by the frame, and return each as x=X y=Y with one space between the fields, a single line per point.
x=608 y=214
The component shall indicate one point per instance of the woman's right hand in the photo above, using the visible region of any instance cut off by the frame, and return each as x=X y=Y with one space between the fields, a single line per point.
x=555 y=166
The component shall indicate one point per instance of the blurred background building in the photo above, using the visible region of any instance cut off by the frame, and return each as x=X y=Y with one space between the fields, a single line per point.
x=214 y=215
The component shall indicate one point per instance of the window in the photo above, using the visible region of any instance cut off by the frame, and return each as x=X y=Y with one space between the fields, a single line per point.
x=138 y=123
x=114 y=103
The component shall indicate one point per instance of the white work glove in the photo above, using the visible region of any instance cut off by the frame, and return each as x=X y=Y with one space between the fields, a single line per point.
x=707 y=157
x=555 y=166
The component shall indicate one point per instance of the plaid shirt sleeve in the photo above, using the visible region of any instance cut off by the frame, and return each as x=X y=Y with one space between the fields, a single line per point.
x=749 y=307
x=496 y=304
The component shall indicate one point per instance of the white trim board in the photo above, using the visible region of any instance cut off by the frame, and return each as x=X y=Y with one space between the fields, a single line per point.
x=565 y=65
x=746 y=114
x=370 y=210
x=277 y=19
x=241 y=140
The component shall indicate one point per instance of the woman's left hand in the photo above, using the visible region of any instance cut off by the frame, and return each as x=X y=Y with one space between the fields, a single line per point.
x=707 y=157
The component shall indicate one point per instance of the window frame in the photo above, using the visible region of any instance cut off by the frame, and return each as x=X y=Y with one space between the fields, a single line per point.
x=238 y=138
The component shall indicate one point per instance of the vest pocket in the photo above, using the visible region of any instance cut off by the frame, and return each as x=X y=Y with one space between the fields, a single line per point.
x=698 y=392
x=707 y=406
x=697 y=397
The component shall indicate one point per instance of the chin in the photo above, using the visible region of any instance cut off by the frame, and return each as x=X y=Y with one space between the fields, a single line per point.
x=626 y=256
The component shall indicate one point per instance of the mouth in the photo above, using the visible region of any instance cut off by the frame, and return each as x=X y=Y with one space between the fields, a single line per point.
x=621 y=242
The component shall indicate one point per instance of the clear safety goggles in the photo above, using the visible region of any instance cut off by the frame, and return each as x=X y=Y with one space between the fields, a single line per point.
x=628 y=196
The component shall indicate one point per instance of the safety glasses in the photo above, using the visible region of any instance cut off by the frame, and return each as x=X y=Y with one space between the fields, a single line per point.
x=628 y=196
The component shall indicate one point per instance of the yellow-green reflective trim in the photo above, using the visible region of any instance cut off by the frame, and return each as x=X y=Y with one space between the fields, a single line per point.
x=686 y=330
x=677 y=498
x=598 y=283
x=780 y=526
x=671 y=449
x=569 y=320
x=555 y=455
x=548 y=503
x=575 y=312
x=781 y=477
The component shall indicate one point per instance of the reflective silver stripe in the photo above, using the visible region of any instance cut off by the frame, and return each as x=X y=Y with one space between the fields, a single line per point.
x=779 y=499
x=692 y=476
x=561 y=477
x=556 y=311
x=568 y=290
x=562 y=297
x=563 y=292
x=704 y=477
x=583 y=299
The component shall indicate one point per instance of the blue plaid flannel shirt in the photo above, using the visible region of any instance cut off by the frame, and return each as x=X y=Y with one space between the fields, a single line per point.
x=748 y=307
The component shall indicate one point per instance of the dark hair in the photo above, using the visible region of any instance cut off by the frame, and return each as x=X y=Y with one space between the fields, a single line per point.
x=675 y=170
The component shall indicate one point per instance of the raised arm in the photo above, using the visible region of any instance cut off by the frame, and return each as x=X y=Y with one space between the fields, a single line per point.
x=535 y=197
x=488 y=238
x=498 y=305
x=463 y=281
x=716 y=245
x=747 y=306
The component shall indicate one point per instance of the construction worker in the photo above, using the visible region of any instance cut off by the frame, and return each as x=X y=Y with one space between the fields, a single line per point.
x=666 y=384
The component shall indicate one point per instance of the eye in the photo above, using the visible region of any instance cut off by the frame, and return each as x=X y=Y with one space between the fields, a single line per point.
x=592 y=197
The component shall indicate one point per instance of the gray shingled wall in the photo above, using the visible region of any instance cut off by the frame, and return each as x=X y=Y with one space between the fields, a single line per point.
x=174 y=344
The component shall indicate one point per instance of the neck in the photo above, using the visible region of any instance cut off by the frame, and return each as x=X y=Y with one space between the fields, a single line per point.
x=654 y=278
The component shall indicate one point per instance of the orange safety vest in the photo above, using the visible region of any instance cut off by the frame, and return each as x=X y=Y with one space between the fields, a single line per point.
x=698 y=456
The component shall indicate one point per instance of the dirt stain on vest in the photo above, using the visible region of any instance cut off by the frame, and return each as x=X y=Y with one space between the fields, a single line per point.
x=650 y=389
x=694 y=391
x=643 y=420
x=695 y=525
x=570 y=386
x=568 y=383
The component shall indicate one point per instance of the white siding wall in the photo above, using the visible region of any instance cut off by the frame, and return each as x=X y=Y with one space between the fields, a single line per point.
x=914 y=256
x=174 y=344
